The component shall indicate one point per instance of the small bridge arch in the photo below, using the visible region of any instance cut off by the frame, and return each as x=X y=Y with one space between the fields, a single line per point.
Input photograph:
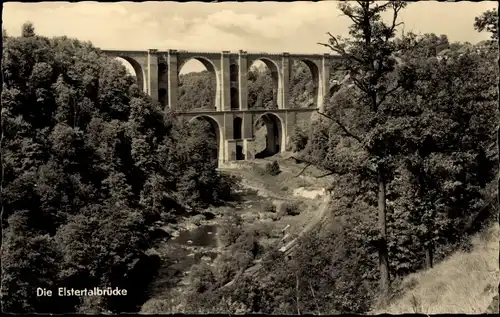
x=218 y=130
x=275 y=138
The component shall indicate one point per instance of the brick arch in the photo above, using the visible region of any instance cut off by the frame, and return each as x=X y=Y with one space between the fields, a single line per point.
x=138 y=69
x=272 y=121
x=276 y=76
x=237 y=128
x=211 y=67
x=314 y=68
x=219 y=132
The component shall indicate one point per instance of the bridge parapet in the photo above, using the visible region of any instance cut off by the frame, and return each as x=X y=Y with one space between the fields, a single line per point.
x=123 y=52
x=195 y=52
x=306 y=56
x=264 y=54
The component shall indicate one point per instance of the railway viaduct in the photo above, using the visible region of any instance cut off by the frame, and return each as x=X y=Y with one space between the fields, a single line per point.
x=233 y=122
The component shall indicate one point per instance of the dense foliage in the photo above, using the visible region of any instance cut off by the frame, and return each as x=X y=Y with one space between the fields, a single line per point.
x=488 y=21
x=88 y=163
x=434 y=136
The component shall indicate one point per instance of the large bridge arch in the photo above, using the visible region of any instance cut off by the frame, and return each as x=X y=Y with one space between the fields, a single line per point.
x=211 y=68
x=314 y=69
x=218 y=130
x=275 y=138
x=277 y=80
x=138 y=69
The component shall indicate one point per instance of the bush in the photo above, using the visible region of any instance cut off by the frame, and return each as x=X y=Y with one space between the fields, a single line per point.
x=273 y=168
x=289 y=209
x=263 y=229
x=158 y=306
x=201 y=278
x=198 y=219
x=268 y=206
x=298 y=139
x=277 y=216
x=246 y=242
x=229 y=230
x=226 y=266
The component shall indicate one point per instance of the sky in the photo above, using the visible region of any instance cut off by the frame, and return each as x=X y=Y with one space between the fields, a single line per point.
x=272 y=27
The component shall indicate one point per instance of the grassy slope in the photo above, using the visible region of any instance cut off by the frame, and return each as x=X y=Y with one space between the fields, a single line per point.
x=463 y=283
x=281 y=187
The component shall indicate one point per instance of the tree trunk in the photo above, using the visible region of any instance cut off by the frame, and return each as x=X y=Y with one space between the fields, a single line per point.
x=297 y=293
x=498 y=149
x=383 y=254
x=428 y=256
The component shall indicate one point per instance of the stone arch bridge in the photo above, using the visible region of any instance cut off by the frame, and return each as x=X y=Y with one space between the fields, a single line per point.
x=233 y=122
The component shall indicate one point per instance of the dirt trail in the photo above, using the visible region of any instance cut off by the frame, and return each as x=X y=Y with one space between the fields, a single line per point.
x=314 y=223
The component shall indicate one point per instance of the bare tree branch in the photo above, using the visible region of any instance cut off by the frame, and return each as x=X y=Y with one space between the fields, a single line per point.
x=333 y=37
x=330 y=172
x=396 y=7
x=353 y=17
x=360 y=85
x=341 y=52
x=336 y=47
x=327 y=174
x=387 y=93
x=299 y=161
x=303 y=170
x=381 y=7
x=315 y=299
x=346 y=131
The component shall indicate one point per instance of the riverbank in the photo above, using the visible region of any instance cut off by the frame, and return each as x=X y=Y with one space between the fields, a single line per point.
x=194 y=238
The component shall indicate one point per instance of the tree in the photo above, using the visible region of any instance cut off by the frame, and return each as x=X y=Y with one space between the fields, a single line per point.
x=369 y=56
x=442 y=183
x=488 y=21
x=28 y=30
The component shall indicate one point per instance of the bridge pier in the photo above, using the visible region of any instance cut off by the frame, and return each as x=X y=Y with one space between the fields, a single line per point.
x=324 y=82
x=284 y=94
x=173 y=79
x=225 y=82
x=243 y=80
x=153 y=79
x=248 y=154
x=230 y=150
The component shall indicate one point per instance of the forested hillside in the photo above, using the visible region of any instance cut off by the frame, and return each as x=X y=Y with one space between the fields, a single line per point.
x=88 y=164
